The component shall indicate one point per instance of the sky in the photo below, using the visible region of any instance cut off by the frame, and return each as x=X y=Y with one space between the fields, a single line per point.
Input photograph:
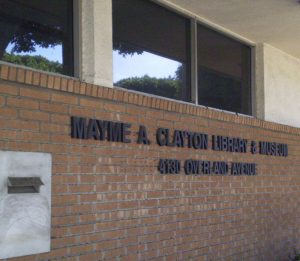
x=136 y=65
x=142 y=64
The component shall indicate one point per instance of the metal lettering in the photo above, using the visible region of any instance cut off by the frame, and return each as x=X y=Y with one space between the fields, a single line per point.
x=78 y=128
x=143 y=136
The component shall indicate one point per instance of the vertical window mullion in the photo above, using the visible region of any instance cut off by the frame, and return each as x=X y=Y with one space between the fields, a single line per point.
x=194 y=62
x=77 y=63
x=252 y=84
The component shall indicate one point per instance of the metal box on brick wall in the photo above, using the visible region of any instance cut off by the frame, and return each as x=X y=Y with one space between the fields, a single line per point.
x=25 y=203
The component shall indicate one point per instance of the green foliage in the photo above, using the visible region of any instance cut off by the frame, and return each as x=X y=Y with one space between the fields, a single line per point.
x=125 y=49
x=295 y=256
x=167 y=87
x=31 y=34
x=37 y=62
x=170 y=87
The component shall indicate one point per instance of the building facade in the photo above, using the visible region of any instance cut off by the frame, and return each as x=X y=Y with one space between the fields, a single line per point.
x=208 y=170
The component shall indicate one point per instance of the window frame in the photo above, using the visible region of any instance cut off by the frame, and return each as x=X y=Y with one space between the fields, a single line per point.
x=76 y=45
x=151 y=44
x=194 y=21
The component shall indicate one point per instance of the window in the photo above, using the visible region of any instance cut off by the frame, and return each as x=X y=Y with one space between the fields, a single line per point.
x=38 y=34
x=151 y=49
x=224 y=67
x=160 y=52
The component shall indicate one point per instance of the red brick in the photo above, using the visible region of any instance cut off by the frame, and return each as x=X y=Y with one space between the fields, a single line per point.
x=64 y=84
x=33 y=93
x=64 y=98
x=8 y=112
x=36 y=78
x=33 y=137
x=70 y=85
x=12 y=74
x=8 y=89
x=64 y=199
x=19 y=125
x=56 y=84
x=62 y=242
x=4 y=72
x=54 y=107
x=21 y=75
x=2 y=101
x=43 y=80
x=81 y=188
x=81 y=111
x=34 y=115
x=60 y=118
x=91 y=103
x=22 y=103
x=81 y=249
x=28 y=76
x=77 y=86
x=82 y=88
x=50 y=82
x=22 y=146
x=82 y=229
x=113 y=107
x=91 y=256
x=8 y=134
x=53 y=128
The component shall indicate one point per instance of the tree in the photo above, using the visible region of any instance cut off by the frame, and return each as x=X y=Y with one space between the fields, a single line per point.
x=125 y=49
x=167 y=87
x=27 y=35
x=31 y=34
x=37 y=61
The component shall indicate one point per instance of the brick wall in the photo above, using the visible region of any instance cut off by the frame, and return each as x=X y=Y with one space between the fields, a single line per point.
x=109 y=202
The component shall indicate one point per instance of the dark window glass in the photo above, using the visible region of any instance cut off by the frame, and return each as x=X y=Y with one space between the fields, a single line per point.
x=224 y=72
x=151 y=49
x=38 y=34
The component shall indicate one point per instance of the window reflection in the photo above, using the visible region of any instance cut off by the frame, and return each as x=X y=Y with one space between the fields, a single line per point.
x=37 y=34
x=224 y=72
x=150 y=73
x=151 y=49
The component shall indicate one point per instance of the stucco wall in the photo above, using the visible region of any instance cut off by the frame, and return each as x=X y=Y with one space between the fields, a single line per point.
x=95 y=37
x=281 y=87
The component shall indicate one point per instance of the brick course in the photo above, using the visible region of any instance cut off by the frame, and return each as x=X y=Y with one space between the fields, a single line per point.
x=109 y=202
